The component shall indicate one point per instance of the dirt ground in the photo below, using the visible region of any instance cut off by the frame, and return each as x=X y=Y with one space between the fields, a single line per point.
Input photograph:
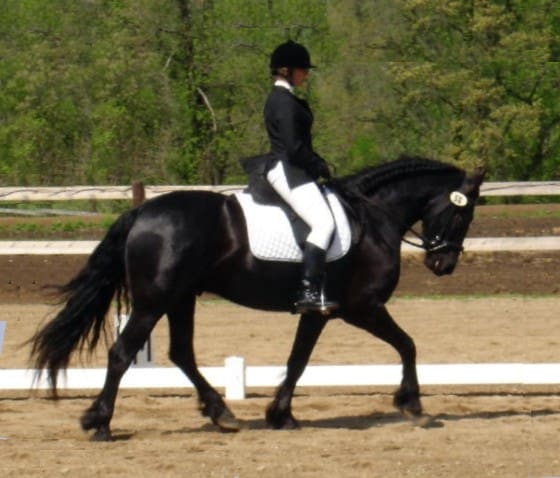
x=496 y=308
x=506 y=431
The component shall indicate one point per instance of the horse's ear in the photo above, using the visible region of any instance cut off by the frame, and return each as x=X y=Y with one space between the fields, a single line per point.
x=476 y=179
x=479 y=174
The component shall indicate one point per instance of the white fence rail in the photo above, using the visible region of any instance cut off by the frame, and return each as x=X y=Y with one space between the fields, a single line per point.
x=513 y=188
x=71 y=193
x=474 y=244
x=235 y=378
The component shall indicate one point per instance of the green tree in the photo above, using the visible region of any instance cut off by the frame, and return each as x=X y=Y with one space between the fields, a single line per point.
x=225 y=59
x=474 y=82
x=97 y=91
x=86 y=98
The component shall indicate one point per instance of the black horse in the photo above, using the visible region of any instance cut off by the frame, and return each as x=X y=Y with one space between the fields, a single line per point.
x=168 y=250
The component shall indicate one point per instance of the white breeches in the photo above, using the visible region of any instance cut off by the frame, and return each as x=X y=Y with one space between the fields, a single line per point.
x=308 y=203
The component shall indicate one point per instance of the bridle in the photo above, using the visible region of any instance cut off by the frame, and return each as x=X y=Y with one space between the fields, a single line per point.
x=457 y=201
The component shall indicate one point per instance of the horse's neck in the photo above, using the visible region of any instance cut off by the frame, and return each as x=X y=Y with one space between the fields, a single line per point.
x=404 y=204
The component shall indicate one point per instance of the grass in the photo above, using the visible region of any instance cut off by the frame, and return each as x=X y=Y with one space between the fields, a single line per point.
x=50 y=225
x=94 y=227
x=36 y=227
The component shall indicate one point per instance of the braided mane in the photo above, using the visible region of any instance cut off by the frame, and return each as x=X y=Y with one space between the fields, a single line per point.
x=372 y=178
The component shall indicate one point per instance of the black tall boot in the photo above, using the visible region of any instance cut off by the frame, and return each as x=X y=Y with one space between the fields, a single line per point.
x=311 y=296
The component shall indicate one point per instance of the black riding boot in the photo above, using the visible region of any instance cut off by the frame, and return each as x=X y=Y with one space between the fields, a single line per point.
x=311 y=296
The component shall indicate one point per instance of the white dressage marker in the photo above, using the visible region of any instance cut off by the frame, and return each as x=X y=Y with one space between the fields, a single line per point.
x=145 y=356
x=2 y=330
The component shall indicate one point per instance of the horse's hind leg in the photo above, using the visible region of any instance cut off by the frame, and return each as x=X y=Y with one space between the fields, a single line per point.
x=381 y=324
x=279 y=412
x=121 y=354
x=181 y=352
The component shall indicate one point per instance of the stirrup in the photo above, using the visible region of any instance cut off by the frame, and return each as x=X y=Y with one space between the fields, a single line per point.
x=315 y=304
x=323 y=309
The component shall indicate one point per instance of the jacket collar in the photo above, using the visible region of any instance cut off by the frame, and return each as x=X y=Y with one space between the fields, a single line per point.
x=284 y=84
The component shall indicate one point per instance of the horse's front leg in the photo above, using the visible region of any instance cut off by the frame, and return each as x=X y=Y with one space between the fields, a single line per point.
x=279 y=412
x=380 y=323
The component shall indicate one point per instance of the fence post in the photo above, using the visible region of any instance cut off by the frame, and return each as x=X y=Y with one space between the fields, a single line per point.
x=138 y=193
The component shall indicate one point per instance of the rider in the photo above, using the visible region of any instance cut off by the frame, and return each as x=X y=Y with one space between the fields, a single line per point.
x=294 y=167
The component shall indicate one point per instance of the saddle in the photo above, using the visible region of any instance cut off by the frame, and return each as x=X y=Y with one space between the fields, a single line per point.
x=275 y=231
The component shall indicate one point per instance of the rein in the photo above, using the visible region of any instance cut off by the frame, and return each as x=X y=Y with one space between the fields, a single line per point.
x=437 y=243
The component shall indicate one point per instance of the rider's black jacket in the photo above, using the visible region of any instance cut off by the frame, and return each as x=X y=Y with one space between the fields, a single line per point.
x=288 y=121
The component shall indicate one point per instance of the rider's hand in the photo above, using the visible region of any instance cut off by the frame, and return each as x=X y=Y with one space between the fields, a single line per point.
x=321 y=168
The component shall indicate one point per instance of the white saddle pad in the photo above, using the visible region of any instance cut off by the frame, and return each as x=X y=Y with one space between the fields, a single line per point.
x=270 y=233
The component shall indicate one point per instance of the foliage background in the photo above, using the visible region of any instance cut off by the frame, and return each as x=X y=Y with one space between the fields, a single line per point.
x=171 y=91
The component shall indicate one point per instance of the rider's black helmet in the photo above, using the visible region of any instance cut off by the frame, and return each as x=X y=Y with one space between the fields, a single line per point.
x=291 y=55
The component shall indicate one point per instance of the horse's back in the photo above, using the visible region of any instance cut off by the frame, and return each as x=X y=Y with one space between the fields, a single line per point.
x=186 y=201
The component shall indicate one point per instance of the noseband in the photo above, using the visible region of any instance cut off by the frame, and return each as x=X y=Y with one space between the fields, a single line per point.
x=437 y=243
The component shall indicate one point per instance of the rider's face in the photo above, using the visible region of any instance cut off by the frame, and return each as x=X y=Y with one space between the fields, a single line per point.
x=299 y=75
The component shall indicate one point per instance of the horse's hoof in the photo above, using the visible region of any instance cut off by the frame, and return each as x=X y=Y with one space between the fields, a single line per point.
x=89 y=420
x=279 y=421
x=227 y=422
x=422 y=420
x=102 y=435
x=289 y=424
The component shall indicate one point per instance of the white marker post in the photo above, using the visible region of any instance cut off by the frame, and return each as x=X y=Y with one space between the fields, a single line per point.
x=145 y=356
x=2 y=330
x=235 y=378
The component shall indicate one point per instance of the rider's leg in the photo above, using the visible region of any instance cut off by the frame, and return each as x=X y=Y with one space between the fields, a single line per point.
x=311 y=295
x=307 y=202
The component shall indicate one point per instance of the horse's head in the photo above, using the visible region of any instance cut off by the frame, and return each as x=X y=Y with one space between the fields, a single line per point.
x=446 y=221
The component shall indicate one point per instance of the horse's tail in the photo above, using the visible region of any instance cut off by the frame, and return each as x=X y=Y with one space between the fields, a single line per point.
x=87 y=299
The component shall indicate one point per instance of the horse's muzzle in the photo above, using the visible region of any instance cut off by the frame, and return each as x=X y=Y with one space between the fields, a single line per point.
x=441 y=263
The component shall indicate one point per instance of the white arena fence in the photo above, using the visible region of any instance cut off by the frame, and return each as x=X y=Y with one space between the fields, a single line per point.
x=476 y=244
x=235 y=377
